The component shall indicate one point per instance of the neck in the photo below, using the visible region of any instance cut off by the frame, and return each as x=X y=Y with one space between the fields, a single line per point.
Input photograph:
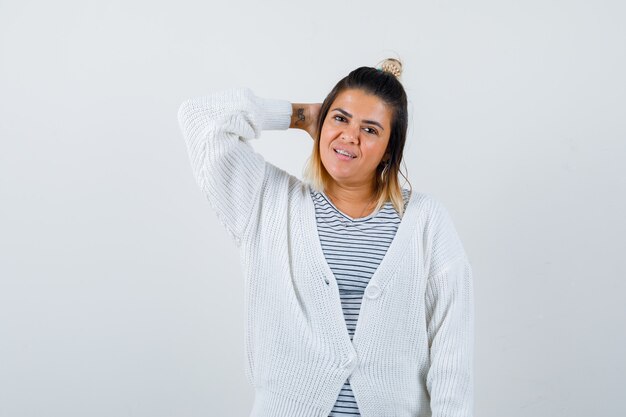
x=351 y=195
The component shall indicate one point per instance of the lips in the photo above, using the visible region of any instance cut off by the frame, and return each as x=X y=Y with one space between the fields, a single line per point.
x=352 y=154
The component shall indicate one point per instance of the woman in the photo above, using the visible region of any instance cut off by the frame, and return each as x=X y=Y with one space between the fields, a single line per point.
x=359 y=295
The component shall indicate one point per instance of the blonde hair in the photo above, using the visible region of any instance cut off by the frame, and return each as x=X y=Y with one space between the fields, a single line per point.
x=382 y=82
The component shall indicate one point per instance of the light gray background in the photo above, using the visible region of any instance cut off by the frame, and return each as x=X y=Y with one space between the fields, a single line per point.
x=120 y=292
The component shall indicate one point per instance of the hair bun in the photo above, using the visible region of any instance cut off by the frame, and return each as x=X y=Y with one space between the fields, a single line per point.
x=392 y=66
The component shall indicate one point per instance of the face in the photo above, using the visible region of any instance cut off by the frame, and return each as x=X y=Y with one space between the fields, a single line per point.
x=357 y=123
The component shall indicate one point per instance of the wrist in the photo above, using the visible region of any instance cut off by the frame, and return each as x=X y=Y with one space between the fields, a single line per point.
x=298 y=116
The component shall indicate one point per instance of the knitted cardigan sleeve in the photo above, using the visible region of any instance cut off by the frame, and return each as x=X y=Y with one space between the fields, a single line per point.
x=450 y=323
x=230 y=173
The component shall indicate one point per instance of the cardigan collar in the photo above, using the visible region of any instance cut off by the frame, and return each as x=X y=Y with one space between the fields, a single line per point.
x=392 y=257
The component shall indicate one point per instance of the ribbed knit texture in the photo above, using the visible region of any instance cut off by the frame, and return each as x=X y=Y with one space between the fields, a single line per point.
x=412 y=350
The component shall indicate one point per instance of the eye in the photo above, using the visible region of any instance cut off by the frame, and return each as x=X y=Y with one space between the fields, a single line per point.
x=339 y=118
x=371 y=130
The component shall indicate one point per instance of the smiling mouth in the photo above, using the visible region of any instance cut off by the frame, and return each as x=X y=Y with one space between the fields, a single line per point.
x=344 y=153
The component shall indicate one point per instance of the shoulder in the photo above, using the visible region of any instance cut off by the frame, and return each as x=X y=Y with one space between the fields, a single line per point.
x=441 y=241
x=428 y=207
x=285 y=186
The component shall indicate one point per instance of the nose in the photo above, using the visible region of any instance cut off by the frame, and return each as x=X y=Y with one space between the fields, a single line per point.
x=351 y=133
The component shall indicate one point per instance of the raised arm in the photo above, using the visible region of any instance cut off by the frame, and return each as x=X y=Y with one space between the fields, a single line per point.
x=229 y=172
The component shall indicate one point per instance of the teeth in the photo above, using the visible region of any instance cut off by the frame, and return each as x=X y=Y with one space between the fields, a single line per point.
x=343 y=153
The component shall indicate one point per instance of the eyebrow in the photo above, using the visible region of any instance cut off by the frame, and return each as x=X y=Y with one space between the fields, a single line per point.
x=371 y=122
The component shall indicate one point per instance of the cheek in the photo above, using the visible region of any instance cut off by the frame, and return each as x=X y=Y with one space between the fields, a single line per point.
x=324 y=132
x=325 y=137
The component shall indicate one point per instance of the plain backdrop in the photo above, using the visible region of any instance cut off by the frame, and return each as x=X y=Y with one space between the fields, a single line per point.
x=122 y=295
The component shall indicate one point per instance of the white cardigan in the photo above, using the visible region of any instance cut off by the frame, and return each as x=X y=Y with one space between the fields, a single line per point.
x=412 y=351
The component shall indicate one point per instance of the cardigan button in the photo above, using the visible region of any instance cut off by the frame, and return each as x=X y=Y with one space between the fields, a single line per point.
x=372 y=291
x=348 y=361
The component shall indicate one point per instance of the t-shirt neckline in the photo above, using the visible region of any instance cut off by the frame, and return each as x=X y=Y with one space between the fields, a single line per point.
x=353 y=219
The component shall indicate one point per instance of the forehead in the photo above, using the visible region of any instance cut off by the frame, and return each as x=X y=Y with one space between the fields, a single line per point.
x=363 y=106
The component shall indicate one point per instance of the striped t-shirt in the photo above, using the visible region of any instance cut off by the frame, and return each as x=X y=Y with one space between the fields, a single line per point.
x=353 y=248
